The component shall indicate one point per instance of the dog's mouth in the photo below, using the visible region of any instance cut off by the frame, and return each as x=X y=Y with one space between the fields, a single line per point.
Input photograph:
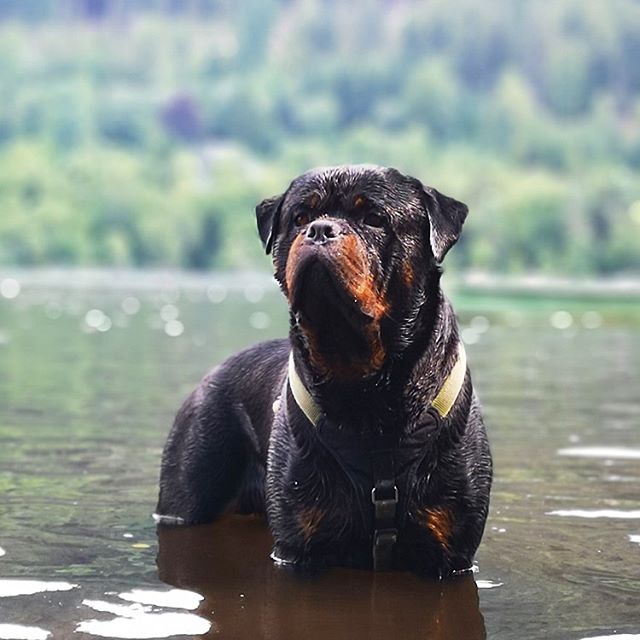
x=319 y=297
x=330 y=304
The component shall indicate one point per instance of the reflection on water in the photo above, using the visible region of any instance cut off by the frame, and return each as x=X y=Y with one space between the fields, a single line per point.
x=91 y=374
x=29 y=587
x=178 y=598
x=21 y=632
x=136 y=621
x=597 y=513
x=607 y=453
x=487 y=584
x=617 y=636
x=247 y=595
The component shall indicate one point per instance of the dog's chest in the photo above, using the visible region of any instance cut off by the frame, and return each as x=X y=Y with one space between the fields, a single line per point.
x=346 y=468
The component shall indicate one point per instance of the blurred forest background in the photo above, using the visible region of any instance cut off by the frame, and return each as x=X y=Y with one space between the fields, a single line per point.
x=143 y=132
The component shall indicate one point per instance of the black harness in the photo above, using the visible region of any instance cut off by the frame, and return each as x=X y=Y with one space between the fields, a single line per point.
x=381 y=468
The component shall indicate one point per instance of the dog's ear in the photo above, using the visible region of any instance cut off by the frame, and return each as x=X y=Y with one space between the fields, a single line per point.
x=446 y=217
x=268 y=217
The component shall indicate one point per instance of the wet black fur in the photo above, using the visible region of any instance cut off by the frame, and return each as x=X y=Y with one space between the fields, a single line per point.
x=228 y=451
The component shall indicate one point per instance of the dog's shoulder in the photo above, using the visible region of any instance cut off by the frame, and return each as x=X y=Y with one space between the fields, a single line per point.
x=263 y=356
x=248 y=369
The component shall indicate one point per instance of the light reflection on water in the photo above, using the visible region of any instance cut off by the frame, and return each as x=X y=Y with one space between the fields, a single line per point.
x=84 y=413
x=597 y=513
x=21 y=632
x=29 y=587
x=136 y=621
x=608 y=453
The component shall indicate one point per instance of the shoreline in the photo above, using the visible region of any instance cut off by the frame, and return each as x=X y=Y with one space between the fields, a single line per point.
x=472 y=284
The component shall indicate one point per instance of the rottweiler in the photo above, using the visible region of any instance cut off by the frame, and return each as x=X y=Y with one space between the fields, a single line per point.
x=360 y=437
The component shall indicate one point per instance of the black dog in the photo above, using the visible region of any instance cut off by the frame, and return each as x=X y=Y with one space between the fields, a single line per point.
x=361 y=436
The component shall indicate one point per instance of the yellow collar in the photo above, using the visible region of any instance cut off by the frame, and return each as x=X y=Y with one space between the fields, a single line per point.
x=442 y=403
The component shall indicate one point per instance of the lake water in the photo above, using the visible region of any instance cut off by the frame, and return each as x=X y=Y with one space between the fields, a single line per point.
x=93 y=369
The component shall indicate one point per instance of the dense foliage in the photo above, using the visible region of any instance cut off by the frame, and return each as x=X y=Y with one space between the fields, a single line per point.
x=144 y=132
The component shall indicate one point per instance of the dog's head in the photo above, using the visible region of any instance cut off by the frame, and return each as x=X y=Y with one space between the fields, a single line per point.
x=355 y=250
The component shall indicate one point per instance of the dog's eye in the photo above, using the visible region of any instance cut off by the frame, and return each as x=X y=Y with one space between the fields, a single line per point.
x=373 y=220
x=301 y=219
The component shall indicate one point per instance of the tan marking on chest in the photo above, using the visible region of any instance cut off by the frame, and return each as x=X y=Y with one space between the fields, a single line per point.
x=407 y=274
x=309 y=520
x=438 y=521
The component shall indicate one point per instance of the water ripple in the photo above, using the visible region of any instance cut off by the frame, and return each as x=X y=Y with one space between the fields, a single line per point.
x=488 y=584
x=619 y=453
x=633 y=514
x=616 y=636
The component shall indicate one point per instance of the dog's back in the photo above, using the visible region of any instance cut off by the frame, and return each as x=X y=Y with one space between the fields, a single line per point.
x=216 y=453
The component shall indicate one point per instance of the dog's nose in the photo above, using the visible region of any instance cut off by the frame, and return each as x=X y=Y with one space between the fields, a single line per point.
x=321 y=231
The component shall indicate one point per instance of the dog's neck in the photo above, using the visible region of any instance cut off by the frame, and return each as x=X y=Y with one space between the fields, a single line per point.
x=382 y=401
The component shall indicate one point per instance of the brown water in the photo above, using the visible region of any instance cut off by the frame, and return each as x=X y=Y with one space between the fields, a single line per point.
x=86 y=399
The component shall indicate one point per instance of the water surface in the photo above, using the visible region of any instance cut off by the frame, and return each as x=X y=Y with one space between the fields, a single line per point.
x=92 y=371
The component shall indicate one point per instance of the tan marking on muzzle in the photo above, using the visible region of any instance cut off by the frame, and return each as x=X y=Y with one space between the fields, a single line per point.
x=358 y=278
x=292 y=262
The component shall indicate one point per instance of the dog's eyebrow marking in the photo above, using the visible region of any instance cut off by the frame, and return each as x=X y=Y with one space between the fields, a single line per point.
x=439 y=522
x=358 y=201
x=312 y=201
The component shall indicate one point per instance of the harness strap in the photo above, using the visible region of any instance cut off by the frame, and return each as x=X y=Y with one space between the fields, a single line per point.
x=449 y=391
x=442 y=403
x=384 y=496
x=302 y=397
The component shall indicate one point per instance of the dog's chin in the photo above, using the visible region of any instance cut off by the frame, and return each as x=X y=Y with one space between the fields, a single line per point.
x=337 y=330
x=318 y=295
